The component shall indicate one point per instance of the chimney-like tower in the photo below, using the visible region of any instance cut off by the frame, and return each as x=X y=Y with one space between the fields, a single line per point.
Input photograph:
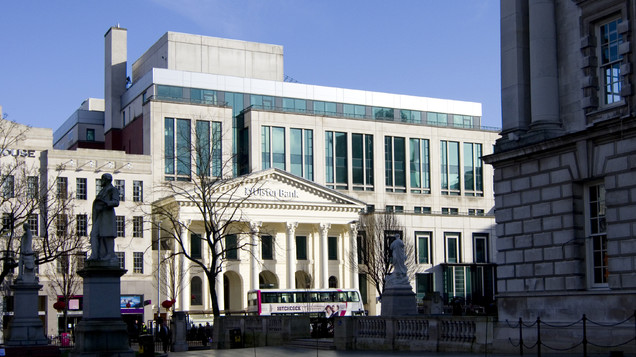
x=115 y=62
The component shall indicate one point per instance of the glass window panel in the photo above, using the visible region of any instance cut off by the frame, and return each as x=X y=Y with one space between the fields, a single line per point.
x=329 y=148
x=183 y=147
x=301 y=247
x=341 y=158
x=309 y=154
x=296 y=151
x=265 y=147
x=203 y=147
x=278 y=148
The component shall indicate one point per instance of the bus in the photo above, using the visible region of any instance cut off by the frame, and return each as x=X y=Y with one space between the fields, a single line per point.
x=315 y=302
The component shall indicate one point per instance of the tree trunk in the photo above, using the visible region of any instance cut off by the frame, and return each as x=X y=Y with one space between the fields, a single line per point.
x=213 y=296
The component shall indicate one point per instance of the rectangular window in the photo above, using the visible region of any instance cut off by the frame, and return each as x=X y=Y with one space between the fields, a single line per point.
x=423 y=241
x=82 y=225
x=121 y=226
x=121 y=257
x=411 y=116
x=61 y=225
x=262 y=101
x=195 y=246
x=610 y=66
x=354 y=111
x=419 y=154
x=396 y=209
x=7 y=221
x=62 y=187
x=98 y=186
x=450 y=210
x=362 y=248
x=177 y=151
x=452 y=247
x=597 y=231
x=80 y=260
x=362 y=162
x=423 y=285
x=169 y=92
x=202 y=133
x=394 y=164
x=203 y=96
x=336 y=160
x=383 y=113
x=437 y=119
x=422 y=210
x=231 y=246
x=301 y=153
x=63 y=264
x=332 y=248
x=475 y=212
x=81 y=188
x=33 y=222
x=138 y=262
x=449 y=151
x=473 y=170
x=120 y=185
x=325 y=108
x=90 y=134
x=168 y=142
x=294 y=105
x=8 y=185
x=267 y=247
x=273 y=147
x=480 y=248
x=32 y=186
x=138 y=226
x=462 y=121
x=138 y=191
x=457 y=282
x=362 y=283
x=301 y=247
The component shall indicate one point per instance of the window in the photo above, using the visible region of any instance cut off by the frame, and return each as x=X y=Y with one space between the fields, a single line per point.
x=90 y=134
x=61 y=225
x=480 y=248
x=411 y=116
x=473 y=171
x=262 y=101
x=457 y=282
x=362 y=162
x=121 y=257
x=63 y=264
x=362 y=248
x=177 y=150
x=120 y=185
x=8 y=186
x=462 y=121
x=354 y=111
x=138 y=191
x=423 y=285
x=80 y=260
x=610 y=66
x=420 y=169
x=294 y=105
x=195 y=246
x=394 y=164
x=336 y=160
x=437 y=119
x=33 y=222
x=169 y=92
x=7 y=221
x=208 y=148
x=324 y=108
x=396 y=209
x=422 y=210
x=98 y=186
x=333 y=282
x=267 y=247
x=32 y=186
x=196 y=291
x=81 y=192
x=423 y=241
x=449 y=210
x=301 y=153
x=332 y=248
x=301 y=247
x=138 y=262
x=597 y=231
x=231 y=246
x=82 y=225
x=138 y=226
x=452 y=247
x=383 y=113
x=273 y=147
x=449 y=152
x=203 y=96
x=121 y=226
x=62 y=187
x=362 y=283
x=475 y=212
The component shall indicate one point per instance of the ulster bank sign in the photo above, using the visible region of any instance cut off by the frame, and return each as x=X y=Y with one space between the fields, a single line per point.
x=279 y=193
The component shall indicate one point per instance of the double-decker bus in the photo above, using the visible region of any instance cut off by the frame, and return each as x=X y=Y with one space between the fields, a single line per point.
x=315 y=302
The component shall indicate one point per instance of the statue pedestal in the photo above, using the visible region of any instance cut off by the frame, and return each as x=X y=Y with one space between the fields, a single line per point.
x=26 y=328
x=101 y=332
x=398 y=301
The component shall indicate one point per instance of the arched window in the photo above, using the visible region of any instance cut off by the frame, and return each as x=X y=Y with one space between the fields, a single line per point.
x=333 y=282
x=196 y=291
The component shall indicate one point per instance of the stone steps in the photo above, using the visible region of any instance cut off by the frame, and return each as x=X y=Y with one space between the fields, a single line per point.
x=313 y=343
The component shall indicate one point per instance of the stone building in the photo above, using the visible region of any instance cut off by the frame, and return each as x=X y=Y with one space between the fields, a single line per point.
x=565 y=166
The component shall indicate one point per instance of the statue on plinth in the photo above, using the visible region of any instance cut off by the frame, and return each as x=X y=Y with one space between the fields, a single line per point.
x=104 y=222
x=399 y=277
x=26 y=263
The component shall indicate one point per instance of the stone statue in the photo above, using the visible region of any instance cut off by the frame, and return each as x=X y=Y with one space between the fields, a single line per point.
x=398 y=277
x=26 y=264
x=104 y=223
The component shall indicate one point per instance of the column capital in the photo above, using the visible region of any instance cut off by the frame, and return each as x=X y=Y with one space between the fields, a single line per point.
x=291 y=227
x=255 y=226
x=324 y=227
x=353 y=227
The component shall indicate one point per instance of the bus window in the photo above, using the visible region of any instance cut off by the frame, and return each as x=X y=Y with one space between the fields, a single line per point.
x=314 y=297
x=286 y=297
x=353 y=296
x=268 y=298
x=251 y=299
x=326 y=297
x=342 y=297
x=301 y=297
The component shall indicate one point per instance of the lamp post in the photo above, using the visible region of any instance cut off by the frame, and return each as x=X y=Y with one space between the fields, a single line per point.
x=159 y=272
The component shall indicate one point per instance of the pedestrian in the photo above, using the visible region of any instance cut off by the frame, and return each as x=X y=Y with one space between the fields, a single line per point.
x=164 y=335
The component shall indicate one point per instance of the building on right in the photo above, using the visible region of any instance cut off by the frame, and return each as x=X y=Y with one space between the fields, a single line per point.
x=565 y=166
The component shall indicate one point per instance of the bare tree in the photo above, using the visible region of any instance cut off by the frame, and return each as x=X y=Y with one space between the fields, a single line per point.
x=205 y=185
x=376 y=232
x=64 y=281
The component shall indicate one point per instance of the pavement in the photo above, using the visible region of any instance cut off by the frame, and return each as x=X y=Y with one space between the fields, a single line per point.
x=286 y=351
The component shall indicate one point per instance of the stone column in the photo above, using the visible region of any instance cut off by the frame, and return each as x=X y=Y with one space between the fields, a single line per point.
x=219 y=287
x=324 y=256
x=291 y=255
x=254 y=264
x=353 y=235
x=544 y=93
x=184 y=301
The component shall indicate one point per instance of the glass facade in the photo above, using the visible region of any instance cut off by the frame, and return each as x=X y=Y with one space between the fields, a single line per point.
x=473 y=170
x=273 y=147
x=362 y=162
x=420 y=169
x=177 y=148
x=449 y=157
x=301 y=153
x=336 y=170
x=394 y=164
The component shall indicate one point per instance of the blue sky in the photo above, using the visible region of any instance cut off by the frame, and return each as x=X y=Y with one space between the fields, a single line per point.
x=52 y=52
